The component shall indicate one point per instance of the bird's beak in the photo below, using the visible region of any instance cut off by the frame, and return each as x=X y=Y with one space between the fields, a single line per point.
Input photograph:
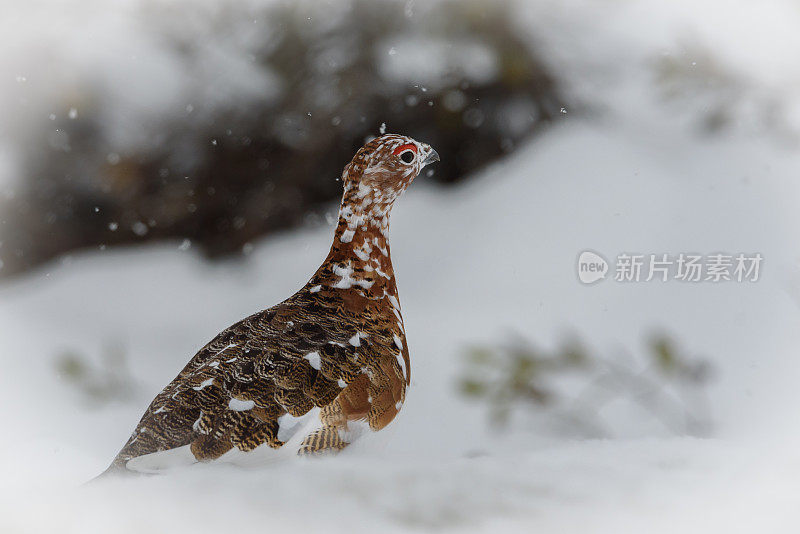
x=432 y=157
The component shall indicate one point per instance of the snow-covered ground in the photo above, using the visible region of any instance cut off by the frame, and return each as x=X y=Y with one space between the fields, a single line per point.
x=634 y=173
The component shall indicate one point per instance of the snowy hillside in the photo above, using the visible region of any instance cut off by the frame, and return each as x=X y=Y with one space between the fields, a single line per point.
x=635 y=171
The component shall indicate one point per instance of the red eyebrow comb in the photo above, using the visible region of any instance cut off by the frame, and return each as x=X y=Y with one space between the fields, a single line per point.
x=403 y=148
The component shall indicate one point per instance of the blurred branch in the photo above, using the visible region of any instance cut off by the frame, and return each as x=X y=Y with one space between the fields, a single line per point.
x=667 y=386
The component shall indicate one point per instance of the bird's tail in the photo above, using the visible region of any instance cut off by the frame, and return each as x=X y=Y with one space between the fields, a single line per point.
x=116 y=470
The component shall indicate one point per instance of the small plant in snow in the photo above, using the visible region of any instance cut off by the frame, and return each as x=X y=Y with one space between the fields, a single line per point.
x=102 y=382
x=574 y=388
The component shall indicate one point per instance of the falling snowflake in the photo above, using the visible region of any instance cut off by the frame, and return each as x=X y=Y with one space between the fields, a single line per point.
x=139 y=228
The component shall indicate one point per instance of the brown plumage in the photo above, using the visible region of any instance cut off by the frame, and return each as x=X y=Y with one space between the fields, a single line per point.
x=338 y=344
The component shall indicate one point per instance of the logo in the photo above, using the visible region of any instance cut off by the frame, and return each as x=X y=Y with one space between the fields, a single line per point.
x=591 y=267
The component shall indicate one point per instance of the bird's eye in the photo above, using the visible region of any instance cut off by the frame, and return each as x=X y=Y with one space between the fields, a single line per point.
x=407 y=152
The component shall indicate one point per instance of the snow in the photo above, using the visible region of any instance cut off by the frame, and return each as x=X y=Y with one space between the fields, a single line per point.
x=204 y=384
x=496 y=255
x=288 y=425
x=356 y=339
x=313 y=359
x=162 y=460
x=239 y=405
x=431 y=62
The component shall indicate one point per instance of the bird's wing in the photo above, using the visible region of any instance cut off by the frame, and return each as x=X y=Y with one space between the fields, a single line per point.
x=248 y=385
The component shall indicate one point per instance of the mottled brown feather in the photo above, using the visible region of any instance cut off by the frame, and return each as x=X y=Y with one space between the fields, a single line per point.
x=338 y=343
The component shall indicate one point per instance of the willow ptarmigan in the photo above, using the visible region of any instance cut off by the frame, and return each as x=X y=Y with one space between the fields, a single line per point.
x=310 y=373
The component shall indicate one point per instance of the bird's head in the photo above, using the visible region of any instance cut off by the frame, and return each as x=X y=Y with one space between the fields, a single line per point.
x=383 y=168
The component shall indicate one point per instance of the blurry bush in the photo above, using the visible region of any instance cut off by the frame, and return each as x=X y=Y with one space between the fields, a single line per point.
x=229 y=121
x=574 y=387
x=99 y=383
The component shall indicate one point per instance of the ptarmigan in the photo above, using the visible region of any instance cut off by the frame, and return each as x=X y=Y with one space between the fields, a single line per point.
x=312 y=372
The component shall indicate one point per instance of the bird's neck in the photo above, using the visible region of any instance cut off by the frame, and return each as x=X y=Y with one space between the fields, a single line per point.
x=359 y=257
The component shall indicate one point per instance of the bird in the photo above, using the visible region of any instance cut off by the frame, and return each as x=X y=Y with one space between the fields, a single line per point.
x=311 y=374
